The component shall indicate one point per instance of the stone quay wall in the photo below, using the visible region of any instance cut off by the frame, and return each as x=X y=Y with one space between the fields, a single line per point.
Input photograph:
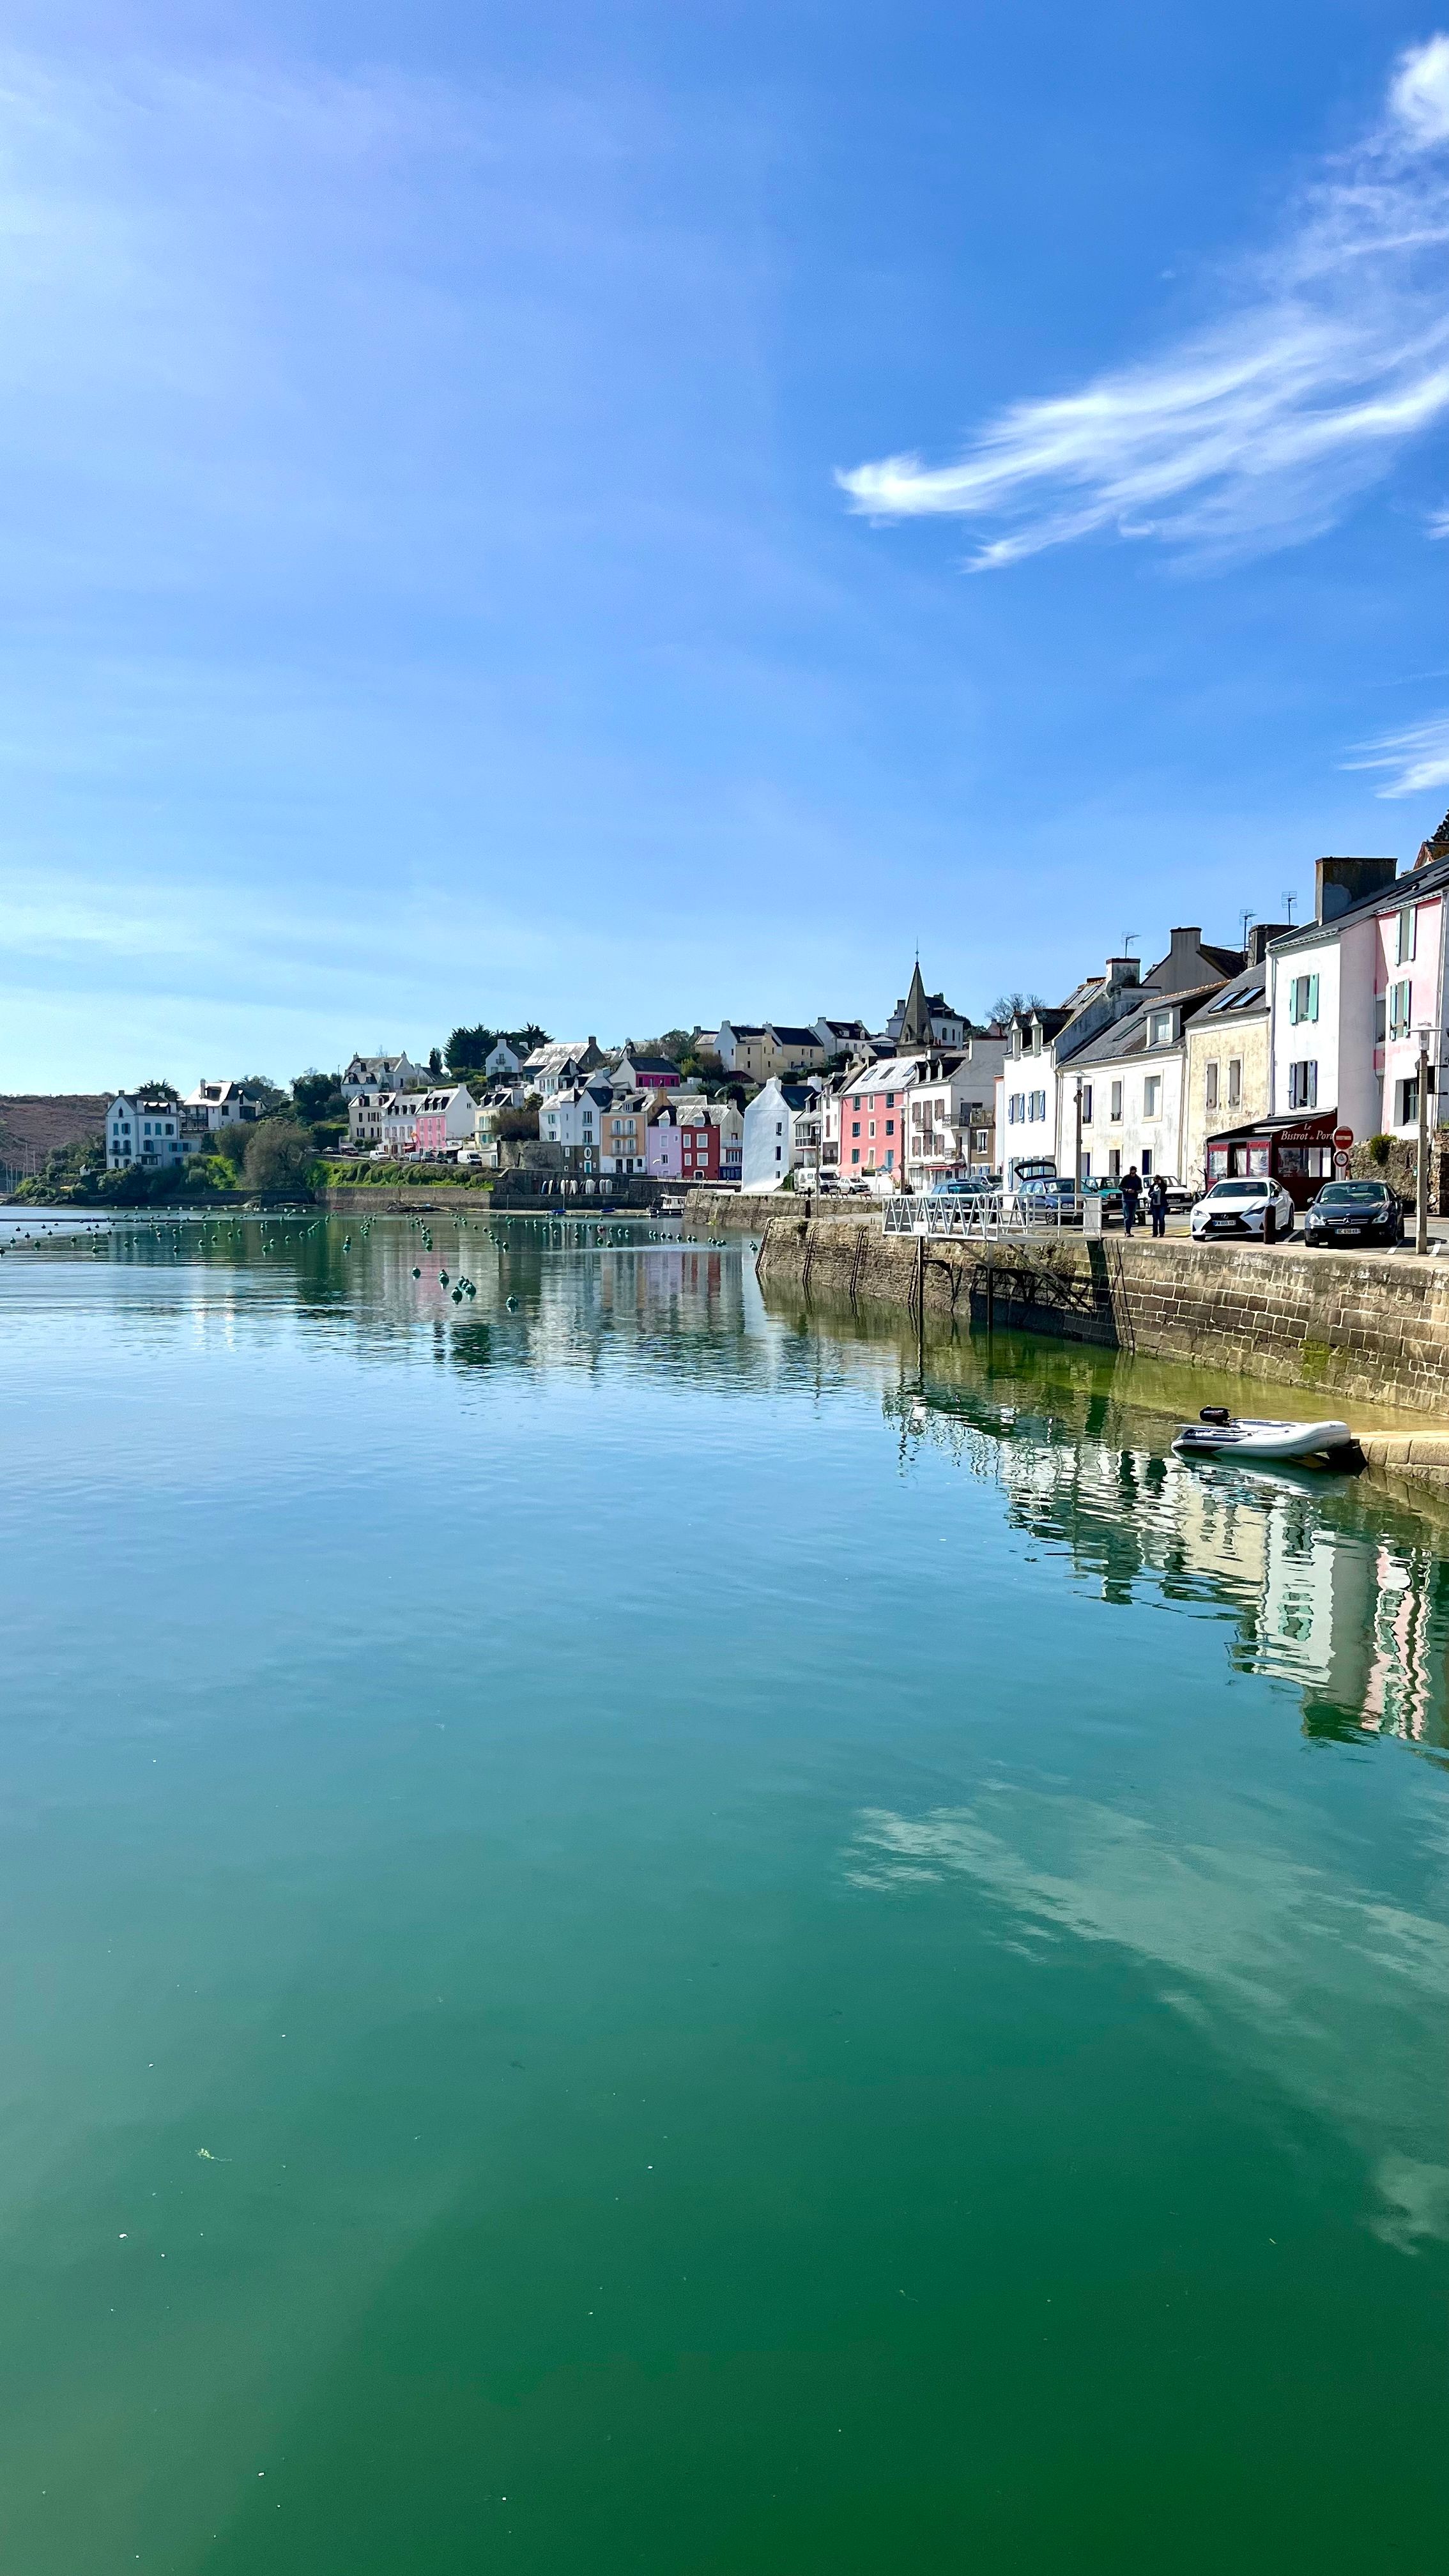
x=1373 y=1326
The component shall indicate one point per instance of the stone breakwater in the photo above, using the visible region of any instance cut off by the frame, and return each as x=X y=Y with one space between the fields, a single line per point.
x=1371 y=1326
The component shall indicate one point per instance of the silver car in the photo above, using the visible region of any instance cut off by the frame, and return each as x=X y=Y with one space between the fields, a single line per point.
x=1238 y=1208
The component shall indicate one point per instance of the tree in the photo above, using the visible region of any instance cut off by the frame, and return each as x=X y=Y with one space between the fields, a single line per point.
x=156 y=1091
x=1006 y=1005
x=468 y=1049
x=279 y=1155
x=512 y=1125
x=319 y=1095
x=262 y=1088
x=435 y=1062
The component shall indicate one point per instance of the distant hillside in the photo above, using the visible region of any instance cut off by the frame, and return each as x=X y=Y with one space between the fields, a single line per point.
x=33 y=1123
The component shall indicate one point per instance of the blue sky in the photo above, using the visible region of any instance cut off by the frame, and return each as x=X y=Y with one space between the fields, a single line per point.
x=621 y=515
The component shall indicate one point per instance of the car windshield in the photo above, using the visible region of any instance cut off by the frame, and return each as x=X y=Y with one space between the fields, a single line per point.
x=1240 y=1190
x=1352 y=1193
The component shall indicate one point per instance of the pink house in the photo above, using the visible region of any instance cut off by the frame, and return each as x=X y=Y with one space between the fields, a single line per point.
x=443 y=1121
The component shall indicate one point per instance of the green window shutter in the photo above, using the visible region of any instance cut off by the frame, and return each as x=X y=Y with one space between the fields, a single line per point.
x=1313 y=997
x=1293 y=999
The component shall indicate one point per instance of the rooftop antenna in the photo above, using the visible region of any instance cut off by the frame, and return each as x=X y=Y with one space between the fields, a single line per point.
x=1289 y=901
x=1246 y=919
x=1128 y=938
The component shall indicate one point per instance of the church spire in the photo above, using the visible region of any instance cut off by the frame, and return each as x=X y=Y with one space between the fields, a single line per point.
x=916 y=1020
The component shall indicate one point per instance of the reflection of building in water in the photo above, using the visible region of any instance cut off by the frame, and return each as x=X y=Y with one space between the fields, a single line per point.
x=1322 y=1593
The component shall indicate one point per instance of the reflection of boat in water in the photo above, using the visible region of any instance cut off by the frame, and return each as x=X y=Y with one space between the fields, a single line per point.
x=1216 y=1434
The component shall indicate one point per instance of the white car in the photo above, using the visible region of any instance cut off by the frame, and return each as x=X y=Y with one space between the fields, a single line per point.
x=1237 y=1208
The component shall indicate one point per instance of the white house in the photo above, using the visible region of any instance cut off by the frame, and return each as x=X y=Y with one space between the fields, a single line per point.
x=1133 y=1088
x=770 y=1138
x=501 y=1059
x=399 y=1131
x=842 y=1037
x=221 y=1104
x=1324 y=981
x=553 y=1067
x=140 y=1129
x=575 y=1119
x=366 y=1115
x=384 y=1073
x=1413 y=986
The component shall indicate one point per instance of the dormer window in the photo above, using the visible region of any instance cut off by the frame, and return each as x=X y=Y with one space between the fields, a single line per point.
x=1161 y=1029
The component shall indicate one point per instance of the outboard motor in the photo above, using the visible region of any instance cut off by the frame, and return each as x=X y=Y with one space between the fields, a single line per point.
x=1217 y=1413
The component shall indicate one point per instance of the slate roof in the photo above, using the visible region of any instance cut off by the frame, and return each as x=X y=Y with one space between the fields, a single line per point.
x=1129 y=1036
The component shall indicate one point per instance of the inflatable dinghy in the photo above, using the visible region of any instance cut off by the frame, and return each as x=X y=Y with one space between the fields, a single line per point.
x=1217 y=1435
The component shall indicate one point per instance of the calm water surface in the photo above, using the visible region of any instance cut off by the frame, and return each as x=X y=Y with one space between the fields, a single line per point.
x=645 y=1937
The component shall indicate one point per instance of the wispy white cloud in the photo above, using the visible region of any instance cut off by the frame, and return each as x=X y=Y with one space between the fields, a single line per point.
x=1256 y=431
x=1413 y=760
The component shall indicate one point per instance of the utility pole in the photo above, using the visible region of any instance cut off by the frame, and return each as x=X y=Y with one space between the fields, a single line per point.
x=1421 y=1226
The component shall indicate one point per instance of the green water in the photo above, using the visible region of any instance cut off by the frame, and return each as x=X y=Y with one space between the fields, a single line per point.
x=642 y=1937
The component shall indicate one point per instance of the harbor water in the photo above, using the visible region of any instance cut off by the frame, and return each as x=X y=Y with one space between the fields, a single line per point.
x=658 y=1936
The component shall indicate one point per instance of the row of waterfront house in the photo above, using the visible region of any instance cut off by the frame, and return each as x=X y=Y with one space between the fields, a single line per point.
x=1211 y=1062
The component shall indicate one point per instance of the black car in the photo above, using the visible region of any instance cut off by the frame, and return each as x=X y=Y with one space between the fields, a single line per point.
x=1354 y=1212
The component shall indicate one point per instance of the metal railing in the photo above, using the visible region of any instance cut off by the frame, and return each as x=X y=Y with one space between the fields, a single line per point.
x=1001 y=1217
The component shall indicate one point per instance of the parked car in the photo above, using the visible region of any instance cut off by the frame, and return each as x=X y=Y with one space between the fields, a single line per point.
x=971 y=1185
x=1179 y=1197
x=1107 y=1190
x=1241 y=1208
x=1355 y=1212
x=1050 y=1198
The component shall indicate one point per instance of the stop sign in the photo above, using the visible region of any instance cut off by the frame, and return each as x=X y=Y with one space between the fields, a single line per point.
x=1342 y=1139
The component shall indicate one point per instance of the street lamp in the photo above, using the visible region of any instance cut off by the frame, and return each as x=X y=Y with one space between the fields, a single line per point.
x=1421 y=1194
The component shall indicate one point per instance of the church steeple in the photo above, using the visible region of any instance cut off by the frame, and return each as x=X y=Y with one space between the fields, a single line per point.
x=916 y=1021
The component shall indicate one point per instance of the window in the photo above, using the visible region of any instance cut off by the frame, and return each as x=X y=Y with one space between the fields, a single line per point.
x=855 y=1131
x=1303 y=1084
x=1152 y=1096
x=1381 y=1019
x=1115 y=1100
x=1147 y=1163
x=890 y=1162
x=1086 y=1104
x=1016 y=1108
x=1235 y=1082
x=1406 y=1102
x=1036 y=1104
x=1210 y=1087
x=1303 y=998
x=1161 y=1029
x=890 y=1101
x=870 y=1126
x=1114 y=1164
x=855 y=1155
x=1401 y=1006
x=1406 y=945
x=890 y=1122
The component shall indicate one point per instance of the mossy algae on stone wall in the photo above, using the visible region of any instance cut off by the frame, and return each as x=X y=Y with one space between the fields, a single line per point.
x=1375 y=1326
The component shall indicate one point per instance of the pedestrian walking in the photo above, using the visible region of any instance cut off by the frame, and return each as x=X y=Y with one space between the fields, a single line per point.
x=1131 y=1198
x=1157 y=1205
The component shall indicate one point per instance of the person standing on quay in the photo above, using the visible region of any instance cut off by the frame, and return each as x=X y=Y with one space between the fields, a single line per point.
x=1131 y=1196
x=1157 y=1206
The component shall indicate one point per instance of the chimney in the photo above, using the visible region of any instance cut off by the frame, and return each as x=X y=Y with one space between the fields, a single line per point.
x=1261 y=936
x=1122 y=971
x=1341 y=882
